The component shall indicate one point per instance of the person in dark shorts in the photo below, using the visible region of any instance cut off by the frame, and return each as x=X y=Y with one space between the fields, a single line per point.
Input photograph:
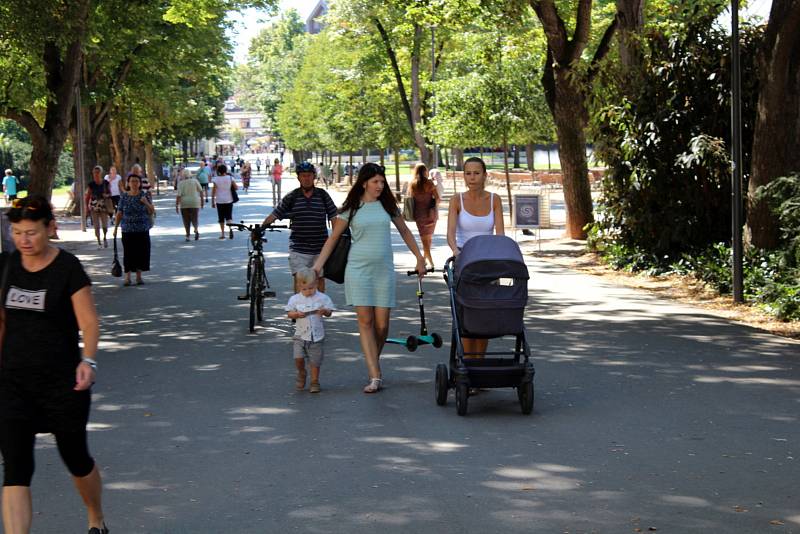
x=222 y=197
x=309 y=208
x=45 y=380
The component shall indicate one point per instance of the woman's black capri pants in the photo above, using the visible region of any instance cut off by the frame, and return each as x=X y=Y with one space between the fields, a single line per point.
x=42 y=401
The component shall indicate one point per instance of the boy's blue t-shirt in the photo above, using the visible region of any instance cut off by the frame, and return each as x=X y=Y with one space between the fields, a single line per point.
x=10 y=185
x=202 y=176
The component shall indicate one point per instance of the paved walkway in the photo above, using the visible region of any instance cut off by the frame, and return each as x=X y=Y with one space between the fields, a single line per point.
x=648 y=414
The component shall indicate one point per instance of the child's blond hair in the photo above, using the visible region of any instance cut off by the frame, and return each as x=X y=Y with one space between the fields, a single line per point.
x=306 y=276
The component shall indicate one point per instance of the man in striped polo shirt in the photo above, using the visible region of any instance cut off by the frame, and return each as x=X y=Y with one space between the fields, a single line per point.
x=309 y=209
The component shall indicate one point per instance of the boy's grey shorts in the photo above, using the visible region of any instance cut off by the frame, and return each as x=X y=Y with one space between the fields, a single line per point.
x=309 y=349
x=299 y=261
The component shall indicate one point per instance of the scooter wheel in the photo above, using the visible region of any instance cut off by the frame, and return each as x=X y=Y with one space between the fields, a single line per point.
x=437 y=340
x=412 y=343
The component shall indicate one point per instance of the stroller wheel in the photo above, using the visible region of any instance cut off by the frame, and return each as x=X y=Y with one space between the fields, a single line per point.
x=437 y=340
x=412 y=343
x=525 y=394
x=441 y=384
x=462 y=396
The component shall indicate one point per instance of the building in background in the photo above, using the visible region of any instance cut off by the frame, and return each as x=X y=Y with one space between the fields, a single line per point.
x=313 y=24
x=240 y=127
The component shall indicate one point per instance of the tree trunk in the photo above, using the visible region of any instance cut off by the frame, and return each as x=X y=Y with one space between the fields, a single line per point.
x=412 y=109
x=397 y=172
x=530 y=154
x=62 y=72
x=150 y=166
x=508 y=178
x=517 y=164
x=117 y=152
x=458 y=159
x=564 y=91
x=569 y=117
x=777 y=127
x=630 y=14
x=350 y=173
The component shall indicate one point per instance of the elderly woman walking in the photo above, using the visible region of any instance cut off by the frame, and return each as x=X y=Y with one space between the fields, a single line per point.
x=189 y=202
x=45 y=375
x=370 y=282
x=133 y=214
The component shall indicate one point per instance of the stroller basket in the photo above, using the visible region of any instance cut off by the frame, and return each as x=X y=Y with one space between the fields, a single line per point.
x=490 y=287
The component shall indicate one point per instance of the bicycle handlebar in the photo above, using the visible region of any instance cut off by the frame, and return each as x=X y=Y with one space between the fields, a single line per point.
x=253 y=227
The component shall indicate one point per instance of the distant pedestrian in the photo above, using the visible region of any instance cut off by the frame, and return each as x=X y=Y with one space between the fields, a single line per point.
x=245 y=176
x=277 y=174
x=98 y=196
x=436 y=177
x=258 y=165
x=307 y=307
x=189 y=201
x=144 y=182
x=10 y=185
x=426 y=212
x=203 y=177
x=115 y=183
x=133 y=214
x=45 y=376
x=370 y=280
x=222 y=198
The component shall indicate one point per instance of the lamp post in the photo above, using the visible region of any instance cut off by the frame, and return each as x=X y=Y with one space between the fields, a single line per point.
x=736 y=156
x=80 y=190
x=435 y=159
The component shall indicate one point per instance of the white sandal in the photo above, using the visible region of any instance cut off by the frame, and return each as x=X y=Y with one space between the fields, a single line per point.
x=375 y=385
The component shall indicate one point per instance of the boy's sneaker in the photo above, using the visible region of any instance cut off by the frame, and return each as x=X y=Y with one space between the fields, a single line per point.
x=314 y=388
x=101 y=530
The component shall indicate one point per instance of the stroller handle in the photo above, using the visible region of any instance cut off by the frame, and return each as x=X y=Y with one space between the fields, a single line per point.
x=412 y=273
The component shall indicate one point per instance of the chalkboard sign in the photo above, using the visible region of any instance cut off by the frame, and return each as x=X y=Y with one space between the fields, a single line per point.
x=527 y=212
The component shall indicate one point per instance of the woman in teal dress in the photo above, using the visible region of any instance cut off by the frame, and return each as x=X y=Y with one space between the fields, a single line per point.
x=369 y=282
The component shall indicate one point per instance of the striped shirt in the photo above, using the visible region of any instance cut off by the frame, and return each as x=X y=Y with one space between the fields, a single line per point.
x=309 y=218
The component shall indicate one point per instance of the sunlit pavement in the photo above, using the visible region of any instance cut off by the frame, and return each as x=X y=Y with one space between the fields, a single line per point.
x=648 y=415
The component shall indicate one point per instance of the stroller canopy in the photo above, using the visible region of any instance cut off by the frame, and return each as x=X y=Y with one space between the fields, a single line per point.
x=489 y=257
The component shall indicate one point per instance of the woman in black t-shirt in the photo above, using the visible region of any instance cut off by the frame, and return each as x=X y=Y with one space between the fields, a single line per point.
x=45 y=380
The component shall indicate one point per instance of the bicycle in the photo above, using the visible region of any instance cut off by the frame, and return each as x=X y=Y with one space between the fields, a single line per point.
x=257 y=282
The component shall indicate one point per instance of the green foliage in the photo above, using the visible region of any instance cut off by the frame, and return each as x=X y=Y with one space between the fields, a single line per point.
x=15 y=154
x=342 y=98
x=274 y=60
x=491 y=91
x=783 y=195
x=667 y=188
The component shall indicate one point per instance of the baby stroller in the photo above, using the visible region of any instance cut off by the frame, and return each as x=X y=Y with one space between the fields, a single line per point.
x=488 y=286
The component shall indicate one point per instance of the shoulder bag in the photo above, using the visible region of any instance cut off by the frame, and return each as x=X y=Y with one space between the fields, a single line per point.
x=234 y=194
x=116 y=268
x=408 y=208
x=336 y=263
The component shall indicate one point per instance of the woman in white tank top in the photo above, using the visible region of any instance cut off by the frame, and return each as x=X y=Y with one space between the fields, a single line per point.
x=474 y=212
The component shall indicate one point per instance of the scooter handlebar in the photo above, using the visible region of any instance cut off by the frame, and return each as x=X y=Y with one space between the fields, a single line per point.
x=412 y=273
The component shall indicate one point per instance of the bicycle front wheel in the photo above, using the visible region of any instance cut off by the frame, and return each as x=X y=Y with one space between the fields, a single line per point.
x=255 y=275
x=260 y=293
